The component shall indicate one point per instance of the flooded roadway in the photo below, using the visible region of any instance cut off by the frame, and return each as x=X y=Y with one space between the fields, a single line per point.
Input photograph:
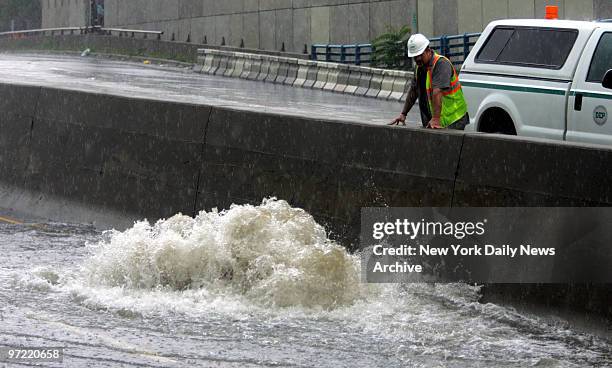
x=132 y=79
x=257 y=286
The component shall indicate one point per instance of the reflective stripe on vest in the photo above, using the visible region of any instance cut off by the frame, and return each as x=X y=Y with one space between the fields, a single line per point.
x=453 y=103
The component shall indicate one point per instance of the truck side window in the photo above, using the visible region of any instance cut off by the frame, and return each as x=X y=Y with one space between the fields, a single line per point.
x=529 y=47
x=495 y=44
x=602 y=59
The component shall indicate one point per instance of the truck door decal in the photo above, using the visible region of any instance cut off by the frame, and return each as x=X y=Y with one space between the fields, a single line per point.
x=600 y=115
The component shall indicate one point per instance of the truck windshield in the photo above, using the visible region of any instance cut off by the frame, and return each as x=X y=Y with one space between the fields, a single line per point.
x=529 y=47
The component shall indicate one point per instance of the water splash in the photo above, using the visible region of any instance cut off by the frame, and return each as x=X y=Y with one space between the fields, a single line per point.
x=273 y=254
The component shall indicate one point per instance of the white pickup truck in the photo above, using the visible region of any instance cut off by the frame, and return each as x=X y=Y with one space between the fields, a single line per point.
x=542 y=78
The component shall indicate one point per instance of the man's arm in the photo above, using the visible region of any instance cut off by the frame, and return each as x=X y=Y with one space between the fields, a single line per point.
x=411 y=98
x=437 y=109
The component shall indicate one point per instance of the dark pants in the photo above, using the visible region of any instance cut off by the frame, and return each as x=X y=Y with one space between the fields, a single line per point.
x=457 y=125
x=461 y=123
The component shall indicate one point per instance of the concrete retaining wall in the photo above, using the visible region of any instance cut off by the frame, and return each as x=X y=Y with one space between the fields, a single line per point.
x=150 y=158
x=78 y=156
x=179 y=51
x=265 y=24
x=130 y=157
x=377 y=83
x=270 y=24
x=153 y=48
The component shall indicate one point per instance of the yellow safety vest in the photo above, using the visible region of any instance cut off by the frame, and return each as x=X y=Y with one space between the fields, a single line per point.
x=453 y=103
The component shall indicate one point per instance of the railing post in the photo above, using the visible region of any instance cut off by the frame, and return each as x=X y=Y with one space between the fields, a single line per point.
x=443 y=45
x=342 y=54
x=327 y=53
x=466 y=46
x=357 y=55
x=313 y=53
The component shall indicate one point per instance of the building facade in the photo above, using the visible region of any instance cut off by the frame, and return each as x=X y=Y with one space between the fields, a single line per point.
x=294 y=24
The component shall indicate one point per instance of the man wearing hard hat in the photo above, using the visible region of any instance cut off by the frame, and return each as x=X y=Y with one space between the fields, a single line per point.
x=436 y=85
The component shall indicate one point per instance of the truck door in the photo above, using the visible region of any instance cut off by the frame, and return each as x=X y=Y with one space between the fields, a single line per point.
x=590 y=104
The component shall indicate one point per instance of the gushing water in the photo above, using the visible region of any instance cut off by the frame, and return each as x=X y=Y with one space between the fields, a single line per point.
x=273 y=254
x=252 y=286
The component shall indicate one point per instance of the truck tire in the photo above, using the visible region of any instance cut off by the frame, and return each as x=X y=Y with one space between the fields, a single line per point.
x=496 y=120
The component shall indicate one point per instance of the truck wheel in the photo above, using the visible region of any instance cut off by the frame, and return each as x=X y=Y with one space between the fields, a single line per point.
x=496 y=120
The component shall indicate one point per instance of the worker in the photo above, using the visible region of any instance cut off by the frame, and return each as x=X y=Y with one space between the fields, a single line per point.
x=436 y=85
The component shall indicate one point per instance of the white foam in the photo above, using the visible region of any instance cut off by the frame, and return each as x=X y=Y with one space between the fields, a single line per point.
x=272 y=254
x=43 y=279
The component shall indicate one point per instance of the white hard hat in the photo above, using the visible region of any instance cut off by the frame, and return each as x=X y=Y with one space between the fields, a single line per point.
x=417 y=45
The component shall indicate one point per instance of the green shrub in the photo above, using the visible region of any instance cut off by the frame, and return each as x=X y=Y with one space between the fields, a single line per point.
x=389 y=49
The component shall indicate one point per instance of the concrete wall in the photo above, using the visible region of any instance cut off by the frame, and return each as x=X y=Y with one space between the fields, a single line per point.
x=464 y=16
x=64 y=13
x=263 y=24
x=147 y=157
x=268 y=24
x=24 y=14
x=178 y=51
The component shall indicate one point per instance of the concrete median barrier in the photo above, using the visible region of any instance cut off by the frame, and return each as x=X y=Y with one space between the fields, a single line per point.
x=399 y=86
x=342 y=79
x=332 y=77
x=265 y=69
x=386 y=87
x=100 y=133
x=510 y=171
x=311 y=75
x=302 y=73
x=231 y=64
x=353 y=79
x=127 y=156
x=238 y=68
x=273 y=69
x=364 y=82
x=292 y=72
x=255 y=68
x=299 y=158
x=375 y=84
x=322 y=75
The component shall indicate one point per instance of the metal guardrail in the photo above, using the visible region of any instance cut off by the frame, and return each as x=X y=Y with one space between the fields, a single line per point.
x=121 y=32
x=456 y=48
x=43 y=31
x=346 y=54
x=80 y=30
